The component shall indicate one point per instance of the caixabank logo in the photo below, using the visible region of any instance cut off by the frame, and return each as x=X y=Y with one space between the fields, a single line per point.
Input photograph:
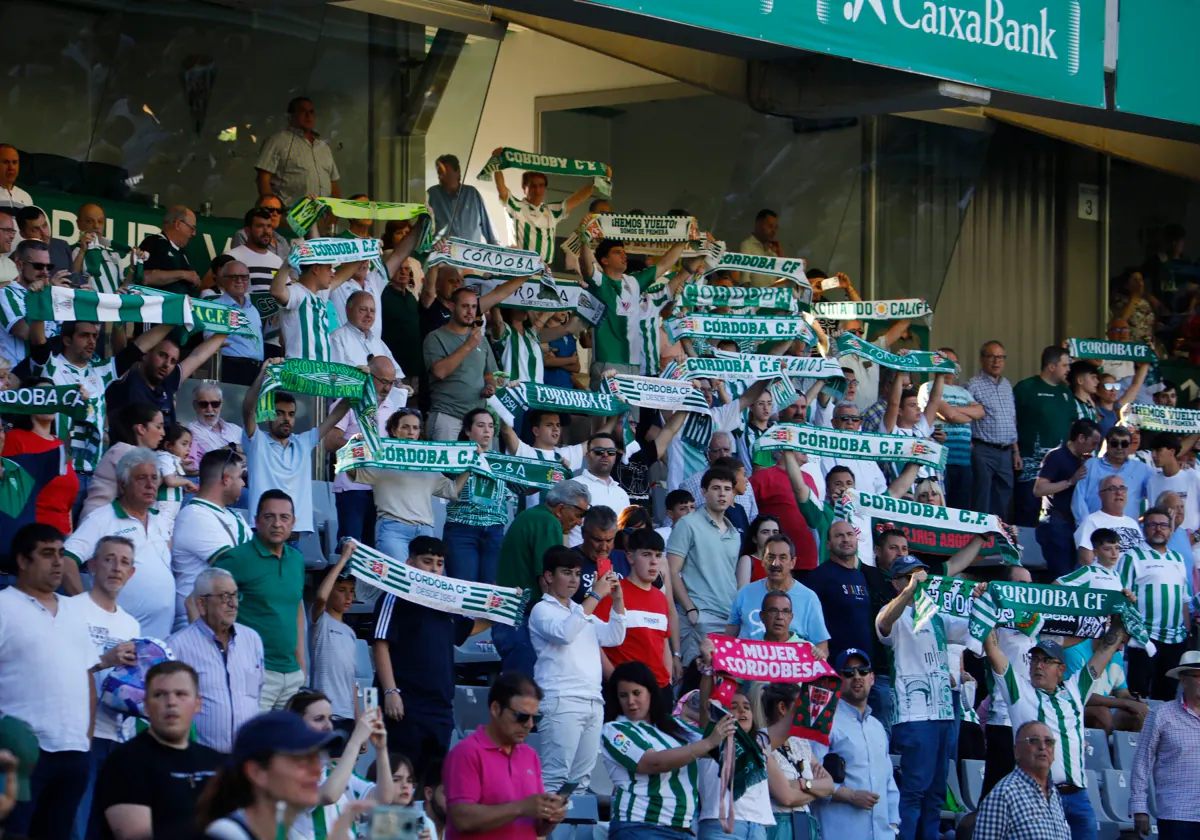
x=985 y=22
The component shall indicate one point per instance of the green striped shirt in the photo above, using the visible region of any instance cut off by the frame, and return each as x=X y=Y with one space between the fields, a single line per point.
x=1061 y=711
x=522 y=356
x=1160 y=583
x=649 y=323
x=533 y=227
x=305 y=325
x=669 y=799
x=85 y=438
x=483 y=502
x=103 y=264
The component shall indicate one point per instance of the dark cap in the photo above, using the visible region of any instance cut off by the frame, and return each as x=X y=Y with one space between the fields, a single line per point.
x=1052 y=649
x=18 y=738
x=840 y=661
x=906 y=566
x=277 y=733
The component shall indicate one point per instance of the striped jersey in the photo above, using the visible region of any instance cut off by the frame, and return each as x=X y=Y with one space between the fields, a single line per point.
x=1093 y=576
x=103 y=264
x=84 y=438
x=317 y=823
x=12 y=311
x=668 y=799
x=304 y=323
x=521 y=357
x=1160 y=583
x=649 y=326
x=1061 y=711
x=532 y=228
x=483 y=502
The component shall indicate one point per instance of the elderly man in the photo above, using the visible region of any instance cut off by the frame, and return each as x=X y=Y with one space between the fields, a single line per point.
x=805 y=616
x=95 y=254
x=1024 y=804
x=1118 y=447
x=994 y=452
x=33 y=224
x=167 y=266
x=1168 y=754
x=357 y=340
x=270 y=577
x=525 y=543
x=297 y=161
x=866 y=804
x=10 y=167
x=1112 y=516
x=150 y=594
x=209 y=430
x=241 y=356
x=762 y=241
x=459 y=206
x=371 y=276
x=227 y=658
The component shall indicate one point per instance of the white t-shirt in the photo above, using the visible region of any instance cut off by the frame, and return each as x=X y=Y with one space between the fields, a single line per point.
x=920 y=666
x=202 y=531
x=1125 y=526
x=922 y=429
x=1018 y=649
x=867 y=374
x=44 y=662
x=571 y=455
x=608 y=493
x=107 y=630
x=685 y=459
x=1187 y=484
x=867 y=476
x=753 y=806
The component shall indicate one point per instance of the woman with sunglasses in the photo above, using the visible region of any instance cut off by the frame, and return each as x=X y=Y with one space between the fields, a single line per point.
x=749 y=565
x=651 y=758
x=32 y=434
x=404 y=500
x=340 y=786
x=475 y=521
x=1109 y=404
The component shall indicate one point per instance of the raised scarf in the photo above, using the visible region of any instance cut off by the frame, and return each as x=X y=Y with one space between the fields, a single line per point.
x=307 y=210
x=860 y=446
x=551 y=165
x=1105 y=350
x=872 y=310
x=739 y=297
x=1161 y=418
x=659 y=394
x=333 y=251
x=737 y=327
x=486 y=259
x=533 y=396
x=45 y=399
x=535 y=296
x=937 y=520
x=916 y=361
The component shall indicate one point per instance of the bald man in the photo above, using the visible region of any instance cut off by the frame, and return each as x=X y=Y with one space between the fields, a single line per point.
x=95 y=254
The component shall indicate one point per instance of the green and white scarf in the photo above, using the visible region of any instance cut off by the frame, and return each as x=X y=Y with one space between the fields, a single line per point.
x=1161 y=418
x=535 y=296
x=532 y=162
x=768 y=297
x=207 y=315
x=934 y=518
x=915 y=361
x=859 y=446
x=45 y=399
x=810 y=367
x=1104 y=350
x=333 y=251
x=783 y=393
x=786 y=268
x=57 y=303
x=499 y=604
x=525 y=472
x=872 y=310
x=738 y=327
x=486 y=259
x=640 y=229
x=533 y=396
x=1028 y=607
x=307 y=210
x=411 y=456
x=330 y=380
x=660 y=394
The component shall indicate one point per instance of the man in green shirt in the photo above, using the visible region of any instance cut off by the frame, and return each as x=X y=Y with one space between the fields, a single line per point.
x=270 y=577
x=531 y=533
x=1045 y=411
x=617 y=342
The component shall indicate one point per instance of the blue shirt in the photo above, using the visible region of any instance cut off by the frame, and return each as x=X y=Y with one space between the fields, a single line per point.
x=859 y=738
x=808 y=621
x=464 y=213
x=238 y=346
x=849 y=619
x=288 y=468
x=1059 y=464
x=560 y=377
x=958 y=435
x=1087 y=492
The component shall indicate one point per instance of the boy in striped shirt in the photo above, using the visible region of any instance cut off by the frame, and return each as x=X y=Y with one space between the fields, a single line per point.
x=1158 y=577
x=532 y=220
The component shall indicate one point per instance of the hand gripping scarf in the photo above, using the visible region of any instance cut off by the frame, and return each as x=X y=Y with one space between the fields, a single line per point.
x=535 y=296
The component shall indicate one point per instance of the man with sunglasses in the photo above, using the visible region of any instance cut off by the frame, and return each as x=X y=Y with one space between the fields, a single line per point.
x=279 y=246
x=866 y=803
x=167 y=266
x=601 y=456
x=1024 y=804
x=33 y=223
x=36 y=271
x=1117 y=460
x=209 y=430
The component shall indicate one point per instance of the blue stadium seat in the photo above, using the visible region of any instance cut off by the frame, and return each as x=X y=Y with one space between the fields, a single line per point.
x=1031 y=552
x=1109 y=829
x=895 y=761
x=477 y=649
x=325 y=516
x=1124 y=746
x=1095 y=750
x=310 y=547
x=470 y=708
x=364 y=667
x=601 y=782
x=972 y=782
x=534 y=739
x=1114 y=793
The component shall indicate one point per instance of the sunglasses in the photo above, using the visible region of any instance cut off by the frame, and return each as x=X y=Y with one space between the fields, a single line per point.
x=599 y=450
x=861 y=671
x=1120 y=444
x=208 y=404
x=849 y=418
x=39 y=266
x=524 y=717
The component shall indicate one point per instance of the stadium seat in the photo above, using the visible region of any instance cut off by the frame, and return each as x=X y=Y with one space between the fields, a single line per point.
x=364 y=667
x=955 y=789
x=972 y=782
x=601 y=783
x=1124 y=746
x=1109 y=829
x=1114 y=793
x=470 y=708
x=1095 y=750
x=325 y=516
x=1031 y=552
x=533 y=739
x=310 y=546
x=895 y=761
x=477 y=649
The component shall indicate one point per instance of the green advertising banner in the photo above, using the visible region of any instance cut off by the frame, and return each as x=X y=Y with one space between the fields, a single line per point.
x=1156 y=38
x=1053 y=49
x=129 y=224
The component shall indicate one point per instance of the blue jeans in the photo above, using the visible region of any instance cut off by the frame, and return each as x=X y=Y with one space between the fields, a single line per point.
x=924 y=750
x=356 y=515
x=618 y=830
x=85 y=827
x=881 y=701
x=85 y=481
x=472 y=551
x=711 y=830
x=515 y=648
x=1080 y=816
x=392 y=537
x=1056 y=536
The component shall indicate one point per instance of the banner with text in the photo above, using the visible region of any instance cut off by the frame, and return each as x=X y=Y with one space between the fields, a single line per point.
x=913 y=361
x=872 y=310
x=860 y=446
x=1105 y=350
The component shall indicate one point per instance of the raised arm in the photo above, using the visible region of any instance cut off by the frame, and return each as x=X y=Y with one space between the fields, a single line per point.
x=501 y=292
x=201 y=354
x=429 y=287
x=250 y=401
x=895 y=331
x=751 y=395
x=1135 y=386
x=498 y=178
x=905 y=481
x=279 y=284
x=326 y=587
x=579 y=196
x=795 y=474
x=890 y=614
x=964 y=557
x=667 y=434
x=667 y=261
x=1108 y=644
x=405 y=246
x=587 y=261
x=995 y=656
x=935 y=397
x=334 y=417
x=893 y=406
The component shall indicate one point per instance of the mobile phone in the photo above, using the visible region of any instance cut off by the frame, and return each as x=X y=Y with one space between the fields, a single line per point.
x=394 y=822
x=566 y=790
x=79 y=280
x=716 y=711
x=603 y=567
x=370 y=699
x=828 y=283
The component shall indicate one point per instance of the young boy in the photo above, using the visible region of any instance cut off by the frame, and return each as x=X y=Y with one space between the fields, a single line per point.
x=1101 y=573
x=567 y=638
x=331 y=642
x=413 y=649
x=679 y=504
x=647 y=616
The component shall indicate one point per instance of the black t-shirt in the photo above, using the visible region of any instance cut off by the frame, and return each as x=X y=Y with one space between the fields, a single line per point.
x=846 y=603
x=164 y=256
x=421 y=646
x=1060 y=464
x=433 y=317
x=166 y=780
x=881 y=591
x=634 y=477
x=134 y=387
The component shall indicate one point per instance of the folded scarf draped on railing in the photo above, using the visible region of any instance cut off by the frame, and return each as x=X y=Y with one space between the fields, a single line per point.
x=1028 y=607
x=146 y=306
x=861 y=446
x=1161 y=418
x=45 y=399
x=535 y=296
x=533 y=396
x=916 y=361
x=936 y=529
x=660 y=394
x=549 y=164
x=1104 y=350
x=333 y=251
x=872 y=310
x=499 y=604
x=740 y=327
x=307 y=210
x=739 y=297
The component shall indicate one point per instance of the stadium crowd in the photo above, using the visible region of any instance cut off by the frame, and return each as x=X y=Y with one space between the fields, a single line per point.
x=179 y=650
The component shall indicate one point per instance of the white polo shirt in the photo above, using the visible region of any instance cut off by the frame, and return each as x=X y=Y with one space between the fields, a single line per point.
x=350 y=346
x=149 y=596
x=602 y=492
x=44 y=663
x=202 y=531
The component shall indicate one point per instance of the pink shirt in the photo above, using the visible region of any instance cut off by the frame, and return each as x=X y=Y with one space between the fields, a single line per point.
x=509 y=777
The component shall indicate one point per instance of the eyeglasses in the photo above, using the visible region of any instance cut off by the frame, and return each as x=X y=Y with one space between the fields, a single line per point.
x=1044 y=660
x=187 y=224
x=392 y=382
x=229 y=598
x=239 y=278
x=777 y=611
x=849 y=418
x=1110 y=386
x=1114 y=490
x=524 y=717
x=38 y=266
x=274 y=211
x=600 y=450
x=1157 y=524
x=1035 y=741
x=860 y=671
x=1120 y=444
x=996 y=357
x=209 y=404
